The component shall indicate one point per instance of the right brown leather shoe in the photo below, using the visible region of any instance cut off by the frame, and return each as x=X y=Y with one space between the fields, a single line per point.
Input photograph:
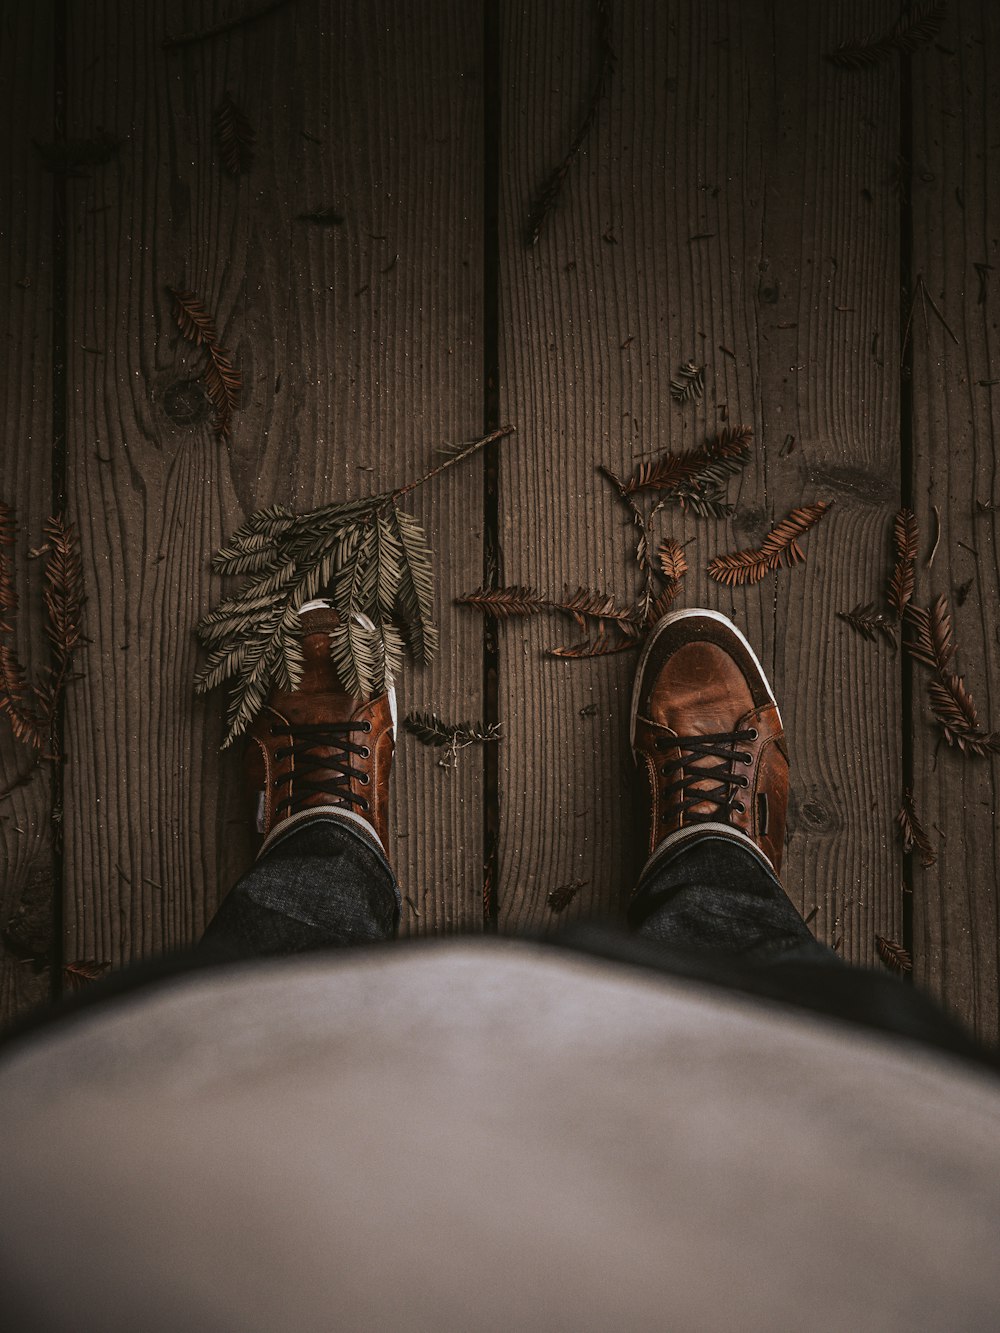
x=707 y=735
x=319 y=747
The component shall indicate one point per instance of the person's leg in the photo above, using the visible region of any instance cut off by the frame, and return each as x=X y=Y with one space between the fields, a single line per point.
x=321 y=882
x=713 y=892
x=318 y=765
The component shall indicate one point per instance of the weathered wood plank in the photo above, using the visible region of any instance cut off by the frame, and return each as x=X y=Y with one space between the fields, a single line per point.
x=956 y=225
x=27 y=885
x=700 y=223
x=360 y=349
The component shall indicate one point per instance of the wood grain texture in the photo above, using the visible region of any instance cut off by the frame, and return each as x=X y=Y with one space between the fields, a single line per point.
x=956 y=224
x=27 y=885
x=360 y=347
x=724 y=175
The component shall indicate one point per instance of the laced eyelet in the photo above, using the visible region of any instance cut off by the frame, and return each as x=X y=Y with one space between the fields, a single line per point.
x=365 y=806
x=740 y=807
x=364 y=752
x=364 y=779
x=753 y=733
x=366 y=726
x=745 y=782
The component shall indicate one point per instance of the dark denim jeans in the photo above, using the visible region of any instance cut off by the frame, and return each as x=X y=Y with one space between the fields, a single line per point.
x=709 y=911
x=324 y=884
x=321 y=884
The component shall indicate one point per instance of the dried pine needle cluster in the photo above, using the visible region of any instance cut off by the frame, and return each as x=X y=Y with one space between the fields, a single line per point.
x=32 y=709
x=370 y=557
x=223 y=381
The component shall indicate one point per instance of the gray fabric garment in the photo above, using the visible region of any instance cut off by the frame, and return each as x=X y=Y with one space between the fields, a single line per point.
x=488 y=1136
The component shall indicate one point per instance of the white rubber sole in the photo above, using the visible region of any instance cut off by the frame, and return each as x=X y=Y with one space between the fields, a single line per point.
x=670 y=619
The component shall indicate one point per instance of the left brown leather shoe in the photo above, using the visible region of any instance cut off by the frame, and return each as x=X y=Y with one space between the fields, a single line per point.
x=317 y=746
x=707 y=735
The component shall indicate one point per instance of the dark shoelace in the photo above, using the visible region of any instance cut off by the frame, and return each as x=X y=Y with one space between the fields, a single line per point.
x=725 y=782
x=306 y=739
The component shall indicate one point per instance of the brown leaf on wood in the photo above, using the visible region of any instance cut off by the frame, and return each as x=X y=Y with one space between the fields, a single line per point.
x=8 y=591
x=18 y=700
x=63 y=587
x=934 y=644
x=895 y=957
x=661 y=605
x=235 y=135
x=695 y=469
x=869 y=623
x=193 y=320
x=913 y=832
x=504 y=603
x=223 y=383
x=585 y=604
x=779 y=549
x=671 y=559
x=914 y=30
x=901 y=582
x=84 y=970
x=602 y=645
x=688 y=383
x=559 y=898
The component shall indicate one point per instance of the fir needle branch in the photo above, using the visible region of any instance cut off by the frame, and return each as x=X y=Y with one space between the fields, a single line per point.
x=895 y=957
x=779 y=550
x=913 y=832
x=226 y=25
x=459 y=456
x=901 y=582
x=869 y=623
x=235 y=135
x=550 y=190
x=912 y=31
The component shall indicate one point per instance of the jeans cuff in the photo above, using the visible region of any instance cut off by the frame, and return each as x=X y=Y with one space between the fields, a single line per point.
x=676 y=843
x=360 y=827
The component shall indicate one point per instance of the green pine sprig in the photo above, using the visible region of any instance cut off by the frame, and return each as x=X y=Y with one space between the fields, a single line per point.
x=370 y=557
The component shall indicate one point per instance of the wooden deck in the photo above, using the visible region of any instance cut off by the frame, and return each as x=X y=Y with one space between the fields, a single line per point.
x=740 y=202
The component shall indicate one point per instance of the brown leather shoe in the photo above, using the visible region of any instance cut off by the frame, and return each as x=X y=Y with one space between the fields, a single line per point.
x=317 y=746
x=707 y=734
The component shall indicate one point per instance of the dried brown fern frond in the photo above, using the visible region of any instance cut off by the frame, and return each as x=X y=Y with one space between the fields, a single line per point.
x=505 y=603
x=951 y=702
x=895 y=957
x=430 y=729
x=671 y=560
x=223 y=381
x=869 y=623
x=602 y=645
x=559 y=898
x=8 y=590
x=913 y=832
x=688 y=384
x=700 y=471
x=79 y=974
x=19 y=701
x=779 y=550
x=901 y=582
x=193 y=320
x=934 y=644
x=63 y=587
x=908 y=34
x=235 y=135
